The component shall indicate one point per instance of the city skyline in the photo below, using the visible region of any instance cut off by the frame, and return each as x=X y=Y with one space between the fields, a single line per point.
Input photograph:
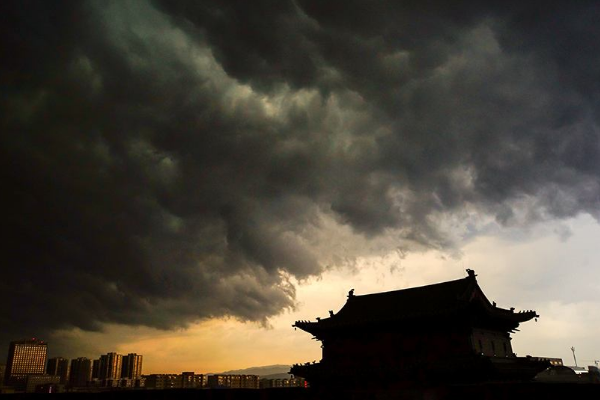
x=526 y=343
x=186 y=179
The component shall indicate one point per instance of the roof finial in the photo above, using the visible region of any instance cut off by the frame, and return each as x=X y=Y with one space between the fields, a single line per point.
x=351 y=293
x=331 y=313
x=471 y=273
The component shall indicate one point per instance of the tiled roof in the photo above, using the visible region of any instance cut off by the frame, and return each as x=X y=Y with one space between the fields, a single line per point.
x=438 y=299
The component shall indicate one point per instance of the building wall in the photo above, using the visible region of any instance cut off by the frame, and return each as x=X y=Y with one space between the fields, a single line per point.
x=81 y=372
x=554 y=361
x=193 y=381
x=395 y=348
x=282 y=383
x=25 y=357
x=130 y=383
x=164 y=381
x=491 y=343
x=185 y=380
x=111 y=365
x=37 y=380
x=234 y=381
x=132 y=366
x=50 y=388
x=59 y=366
x=96 y=369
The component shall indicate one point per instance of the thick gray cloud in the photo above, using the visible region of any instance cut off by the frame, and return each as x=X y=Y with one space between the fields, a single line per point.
x=166 y=162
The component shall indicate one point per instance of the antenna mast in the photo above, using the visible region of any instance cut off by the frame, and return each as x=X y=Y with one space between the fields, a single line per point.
x=574 y=358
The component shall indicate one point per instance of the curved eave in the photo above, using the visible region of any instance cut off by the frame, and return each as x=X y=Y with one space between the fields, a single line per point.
x=507 y=318
x=517 y=317
x=501 y=313
x=308 y=326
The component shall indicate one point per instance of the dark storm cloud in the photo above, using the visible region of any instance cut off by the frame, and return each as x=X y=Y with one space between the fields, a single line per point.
x=166 y=162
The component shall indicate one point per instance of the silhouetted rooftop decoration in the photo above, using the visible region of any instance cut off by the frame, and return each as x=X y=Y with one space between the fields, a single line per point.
x=430 y=328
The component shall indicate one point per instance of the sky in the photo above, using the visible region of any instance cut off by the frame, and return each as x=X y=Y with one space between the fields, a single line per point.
x=186 y=179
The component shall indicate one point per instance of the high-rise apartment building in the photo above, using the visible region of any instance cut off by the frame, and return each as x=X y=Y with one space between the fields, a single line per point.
x=111 y=365
x=25 y=357
x=59 y=366
x=81 y=372
x=132 y=366
x=96 y=369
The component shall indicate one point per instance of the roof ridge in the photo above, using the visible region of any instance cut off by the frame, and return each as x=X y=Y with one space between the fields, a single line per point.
x=413 y=288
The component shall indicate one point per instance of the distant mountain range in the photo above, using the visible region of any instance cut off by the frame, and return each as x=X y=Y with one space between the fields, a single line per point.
x=269 y=371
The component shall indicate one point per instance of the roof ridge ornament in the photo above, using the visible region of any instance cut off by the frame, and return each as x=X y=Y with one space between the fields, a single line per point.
x=351 y=293
x=471 y=273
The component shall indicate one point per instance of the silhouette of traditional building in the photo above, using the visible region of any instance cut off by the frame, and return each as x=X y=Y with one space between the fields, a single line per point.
x=445 y=332
x=25 y=357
